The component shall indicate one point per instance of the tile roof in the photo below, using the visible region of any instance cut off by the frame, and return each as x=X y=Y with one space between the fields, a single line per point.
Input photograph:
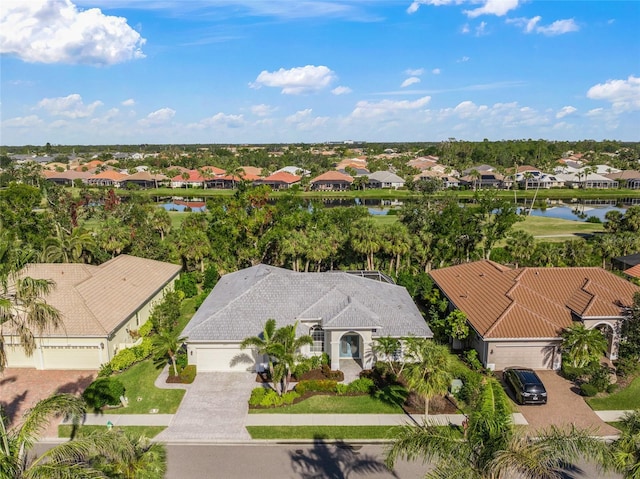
x=281 y=177
x=110 y=175
x=386 y=177
x=95 y=300
x=531 y=302
x=634 y=271
x=333 y=176
x=241 y=302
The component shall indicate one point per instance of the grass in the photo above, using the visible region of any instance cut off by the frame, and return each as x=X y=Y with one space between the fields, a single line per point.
x=540 y=226
x=627 y=398
x=187 y=310
x=321 y=432
x=335 y=405
x=64 y=430
x=139 y=381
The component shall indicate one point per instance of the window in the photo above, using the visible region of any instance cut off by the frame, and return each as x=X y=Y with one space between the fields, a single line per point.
x=317 y=334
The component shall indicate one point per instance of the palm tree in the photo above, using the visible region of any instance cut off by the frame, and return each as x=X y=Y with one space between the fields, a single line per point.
x=140 y=458
x=583 y=346
x=492 y=448
x=286 y=350
x=388 y=347
x=71 y=459
x=520 y=245
x=427 y=371
x=25 y=313
x=264 y=344
x=626 y=449
x=366 y=240
x=161 y=221
x=75 y=246
x=166 y=344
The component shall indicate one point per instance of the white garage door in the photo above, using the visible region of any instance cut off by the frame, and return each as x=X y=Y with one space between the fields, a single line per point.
x=16 y=358
x=68 y=357
x=536 y=356
x=223 y=358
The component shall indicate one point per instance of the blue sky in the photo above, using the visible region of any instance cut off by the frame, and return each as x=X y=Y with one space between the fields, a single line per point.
x=282 y=71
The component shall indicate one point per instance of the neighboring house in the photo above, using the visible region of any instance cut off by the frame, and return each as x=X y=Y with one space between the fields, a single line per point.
x=486 y=180
x=633 y=272
x=188 y=179
x=91 y=165
x=343 y=312
x=293 y=170
x=385 y=179
x=538 y=179
x=279 y=181
x=582 y=178
x=144 y=179
x=331 y=181
x=627 y=178
x=107 y=178
x=622 y=263
x=67 y=177
x=517 y=315
x=99 y=305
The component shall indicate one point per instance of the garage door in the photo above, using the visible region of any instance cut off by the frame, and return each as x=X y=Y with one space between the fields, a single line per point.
x=223 y=358
x=68 y=357
x=16 y=358
x=538 y=356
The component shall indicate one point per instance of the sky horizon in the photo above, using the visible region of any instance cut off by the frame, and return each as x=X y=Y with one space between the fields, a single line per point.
x=311 y=71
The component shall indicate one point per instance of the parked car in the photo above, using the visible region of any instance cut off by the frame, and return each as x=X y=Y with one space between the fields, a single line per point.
x=526 y=386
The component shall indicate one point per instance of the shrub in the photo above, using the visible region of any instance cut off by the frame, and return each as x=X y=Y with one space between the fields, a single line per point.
x=302 y=367
x=342 y=388
x=211 y=277
x=105 y=370
x=257 y=394
x=471 y=358
x=146 y=329
x=182 y=360
x=361 y=385
x=200 y=299
x=187 y=284
x=627 y=366
x=601 y=378
x=188 y=374
x=123 y=359
x=322 y=385
x=145 y=348
x=289 y=397
x=593 y=219
x=471 y=385
x=588 y=390
x=270 y=398
x=571 y=373
x=330 y=374
x=102 y=392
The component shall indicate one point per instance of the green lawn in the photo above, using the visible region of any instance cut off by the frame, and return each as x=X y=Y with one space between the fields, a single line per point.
x=627 y=398
x=321 y=432
x=187 y=310
x=335 y=405
x=143 y=395
x=64 y=430
x=539 y=226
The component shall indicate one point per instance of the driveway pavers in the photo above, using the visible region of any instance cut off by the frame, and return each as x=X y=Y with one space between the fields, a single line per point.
x=564 y=406
x=214 y=408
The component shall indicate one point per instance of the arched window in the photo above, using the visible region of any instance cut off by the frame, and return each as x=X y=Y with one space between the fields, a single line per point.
x=317 y=334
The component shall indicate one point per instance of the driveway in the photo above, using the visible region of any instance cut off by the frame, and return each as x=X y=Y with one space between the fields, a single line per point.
x=214 y=408
x=20 y=389
x=564 y=406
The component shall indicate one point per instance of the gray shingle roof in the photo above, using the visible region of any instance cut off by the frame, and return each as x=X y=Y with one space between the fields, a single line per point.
x=95 y=300
x=241 y=303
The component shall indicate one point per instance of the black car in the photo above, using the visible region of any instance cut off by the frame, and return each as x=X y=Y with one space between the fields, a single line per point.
x=526 y=385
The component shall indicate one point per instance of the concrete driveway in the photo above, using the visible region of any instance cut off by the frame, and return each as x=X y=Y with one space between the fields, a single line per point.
x=214 y=408
x=564 y=406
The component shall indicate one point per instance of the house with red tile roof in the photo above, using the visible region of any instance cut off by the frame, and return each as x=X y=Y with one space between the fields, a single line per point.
x=517 y=315
x=331 y=181
x=107 y=178
x=279 y=181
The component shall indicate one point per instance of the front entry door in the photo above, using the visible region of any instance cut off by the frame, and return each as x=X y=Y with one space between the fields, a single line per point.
x=350 y=346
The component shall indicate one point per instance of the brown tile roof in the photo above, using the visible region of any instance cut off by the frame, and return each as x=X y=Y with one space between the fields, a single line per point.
x=110 y=175
x=95 y=300
x=146 y=176
x=282 y=177
x=634 y=271
x=623 y=175
x=333 y=176
x=252 y=170
x=91 y=164
x=531 y=302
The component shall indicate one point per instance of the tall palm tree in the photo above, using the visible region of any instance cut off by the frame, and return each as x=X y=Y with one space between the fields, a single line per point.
x=286 y=350
x=72 y=459
x=165 y=345
x=264 y=344
x=492 y=448
x=139 y=458
x=24 y=313
x=582 y=345
x=366 y=239
x=520 y=245
x=626 y=449
x=75 y=246
x=427 y=371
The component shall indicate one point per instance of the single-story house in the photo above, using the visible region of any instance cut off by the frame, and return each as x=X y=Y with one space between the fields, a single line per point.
x=385 y=179
x=279 y=181
x=99 y=306
x=107 y=178
x=331 y=181
x=343 y=312
x=144 y=179
x=517 y=315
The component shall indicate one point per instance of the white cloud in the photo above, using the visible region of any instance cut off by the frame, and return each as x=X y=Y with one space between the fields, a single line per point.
x=299 y=116
x=481 y=29
x=463 y=59
x=55 y=31
x=341 y=90
x=298 y=80
x=22 y=122
x=220 y=120
x=262 y=110
x=436 y=71
x=465 y=28
x=493 y=7
x=414 y=72
x=624 y=95
x=129 y=102
x=531 y=25
x=158 y=117
x=366 y=109
x=566 y=110
x=70 y=106
x=304 y=121
x=410 y=81
x=595 y=112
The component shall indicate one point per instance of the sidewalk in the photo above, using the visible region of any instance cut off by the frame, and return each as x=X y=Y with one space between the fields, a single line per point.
x=612 y=416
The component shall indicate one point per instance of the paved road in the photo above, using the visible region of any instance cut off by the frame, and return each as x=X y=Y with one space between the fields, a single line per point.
x=305 y=461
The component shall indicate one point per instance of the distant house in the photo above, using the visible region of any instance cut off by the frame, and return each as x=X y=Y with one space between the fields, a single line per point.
x=279 y=181
x=538 y=179
x=582 y=178
x=188 y=179
x=107 y=178
x=626 y=178
x=331 y=181
x=517 y=315
x=486 y=179
x=293 y=170
x=67 y=177
x=90 y=165
x=144 y=179
x=385 y=179
x=99 y=305
x=343 y=313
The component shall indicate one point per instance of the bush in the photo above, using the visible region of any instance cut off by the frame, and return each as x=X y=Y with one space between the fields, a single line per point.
x=188 y=374
x=471 y=358
x=146 y=329
x=361 y=385
x=471 y=386
x=571 y=373
x=123 y=359
x=181 y=360
x=187 y=284
x=330 y=374
x=257 y=394
x=102 y=392
x=211 y=277
x=342 y=388
x=262 y=397
x=105 y=370
x=321 y=385
x=627 y=366
x=588 y=390
x=601 y=378
x=200 y=299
